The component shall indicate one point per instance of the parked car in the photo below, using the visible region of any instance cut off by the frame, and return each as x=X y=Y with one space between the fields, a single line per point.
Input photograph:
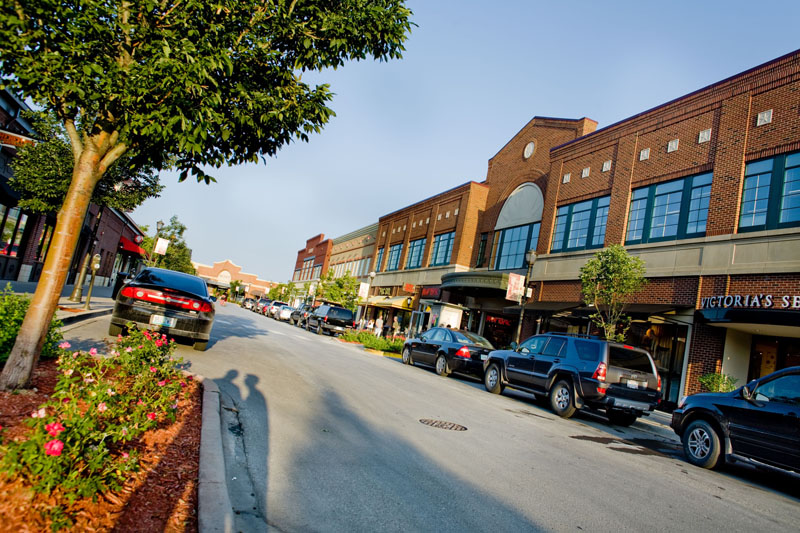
x=248 y=303
x=172 y=302
x=576 y=371
x=448 y=350
x=284 y=313
x=330 y=319
x=272 y=309
x=300 y=314
x=758 y=423
x=261 y=304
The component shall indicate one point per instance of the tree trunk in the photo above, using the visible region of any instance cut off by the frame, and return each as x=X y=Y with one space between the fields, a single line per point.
x=30 y=339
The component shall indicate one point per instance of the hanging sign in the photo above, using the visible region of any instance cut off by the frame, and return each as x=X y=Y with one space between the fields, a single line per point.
x=161 y=246
x=515 y=285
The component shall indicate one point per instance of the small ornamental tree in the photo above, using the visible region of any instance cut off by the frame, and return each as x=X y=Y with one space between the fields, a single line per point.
x=190 y=85
x=342 y=290
x=608 y=280
x=178 y=256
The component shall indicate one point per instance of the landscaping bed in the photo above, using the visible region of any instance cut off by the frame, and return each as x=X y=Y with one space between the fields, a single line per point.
x=102 y=443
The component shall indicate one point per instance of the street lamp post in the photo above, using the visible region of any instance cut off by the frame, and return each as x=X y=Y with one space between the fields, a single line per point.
x=530 y=256
x=159 y=225
x=366 y=300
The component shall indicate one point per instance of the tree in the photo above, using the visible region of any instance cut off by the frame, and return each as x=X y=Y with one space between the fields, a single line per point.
x=178 y=256
x=608 y=280
x=43 y=172
x=187 y=85
x=342 y=290
x=236 y=287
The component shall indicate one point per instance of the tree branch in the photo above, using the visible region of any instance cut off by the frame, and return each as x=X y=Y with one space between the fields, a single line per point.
x=111 y=156
x=74 y=138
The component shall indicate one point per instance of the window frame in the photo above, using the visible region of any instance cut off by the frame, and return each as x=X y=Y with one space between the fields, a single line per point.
x=499 y=241
x=686 y=188
x=437 y=243
x=392 y=257
x=416 y=252
x=482 y=249
x=590 y=230
x=379 y=259
x=775 y=197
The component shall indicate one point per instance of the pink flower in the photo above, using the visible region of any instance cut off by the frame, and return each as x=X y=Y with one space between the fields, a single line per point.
x=152 y=369
x=88 y=379
x=124 y=432
x=128 y=349
x=75 y=355
x=65 y=345
x=54 y=429
x=159 y=343
x=53 y=447
x=183 y=384
x=140 y=402
x=68 y=372
x=93 y=351
x=151 y=416
x=111 y=392
x=125 y=455
x=162 y=383
x=102 y=407
x=41 y=413
x=119 y=337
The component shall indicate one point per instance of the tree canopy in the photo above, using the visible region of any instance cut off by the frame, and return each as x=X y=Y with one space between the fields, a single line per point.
x=178 y=256
x=608 y=280
x=342 y=290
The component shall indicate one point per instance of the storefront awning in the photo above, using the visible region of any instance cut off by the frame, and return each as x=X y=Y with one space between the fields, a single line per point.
x=397 y=302
x=541 y=306
x=128 y=245
x=779 y=323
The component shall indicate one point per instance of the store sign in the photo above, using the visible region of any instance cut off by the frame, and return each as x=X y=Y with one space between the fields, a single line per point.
x=385 y=291
x=161 y=246
x=363 y=290
x=12 y=139
x=751 y=301
x=515 y=284
x=498 y=320
x=431 y=292
x=408 y=287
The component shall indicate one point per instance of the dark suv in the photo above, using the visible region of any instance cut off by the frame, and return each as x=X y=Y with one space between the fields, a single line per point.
x=330 y=319
x=300 y=314
x=576 y=371
x=758 y=423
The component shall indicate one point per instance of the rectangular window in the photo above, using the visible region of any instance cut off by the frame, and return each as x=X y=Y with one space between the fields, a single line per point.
x=317 y=271
x=379 y=260
x=575 y=223
x=393 y=261
x=771 y=194
x=415 y=250
x=442 y=248
x=671 y=210
x=512 y=243
x=482 y=250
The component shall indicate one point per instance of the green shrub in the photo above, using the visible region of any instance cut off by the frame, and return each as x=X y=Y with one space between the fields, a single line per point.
x=12 y=312
x=718 y=382
x=375 y=343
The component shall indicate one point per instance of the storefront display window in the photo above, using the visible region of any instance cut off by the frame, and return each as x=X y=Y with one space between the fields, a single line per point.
x=667 y=344
x=769 y=354
x=13 y=226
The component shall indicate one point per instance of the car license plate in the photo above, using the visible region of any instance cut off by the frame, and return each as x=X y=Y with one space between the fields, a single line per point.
x=484 y=356
x=158 y=320
x=633 y=384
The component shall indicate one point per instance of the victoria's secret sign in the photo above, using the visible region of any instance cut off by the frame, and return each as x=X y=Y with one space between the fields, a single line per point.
x=751 y=301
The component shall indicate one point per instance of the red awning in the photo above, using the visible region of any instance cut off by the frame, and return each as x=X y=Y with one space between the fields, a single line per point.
x=128 y=245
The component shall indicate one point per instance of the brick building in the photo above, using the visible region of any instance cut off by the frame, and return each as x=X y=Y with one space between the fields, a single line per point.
x=312 y=262
x=222 y=273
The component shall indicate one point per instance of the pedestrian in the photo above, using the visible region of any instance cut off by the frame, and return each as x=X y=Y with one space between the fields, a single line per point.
x=379 y=326
x=361 y=324
x=395 y=327
x=371 y=325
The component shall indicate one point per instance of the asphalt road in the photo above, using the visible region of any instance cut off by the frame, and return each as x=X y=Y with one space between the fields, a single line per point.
x=322 y=436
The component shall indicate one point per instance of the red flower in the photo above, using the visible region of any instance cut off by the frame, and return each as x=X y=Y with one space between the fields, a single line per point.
x=162 y=383
x=53 y=447
x=152 y=369
x=151 y=416
x=54 y=429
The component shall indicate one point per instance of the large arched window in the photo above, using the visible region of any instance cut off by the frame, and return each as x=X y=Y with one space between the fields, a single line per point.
x=517 y=228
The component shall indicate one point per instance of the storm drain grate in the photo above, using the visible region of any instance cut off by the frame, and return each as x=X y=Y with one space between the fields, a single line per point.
x=441 y=424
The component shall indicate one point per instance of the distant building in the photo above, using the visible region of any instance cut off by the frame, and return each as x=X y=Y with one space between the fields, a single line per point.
x=222 y=273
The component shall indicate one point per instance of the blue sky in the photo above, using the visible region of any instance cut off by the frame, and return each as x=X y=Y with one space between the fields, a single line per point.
x=473 y=74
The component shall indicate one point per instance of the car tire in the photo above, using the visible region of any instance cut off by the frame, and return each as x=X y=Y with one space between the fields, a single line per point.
x=307 y=328
x=319 y=329
x=407 y=359
x=701 y=444
x=620 y=418
x=492 y=379
x=442 y=368
x=200 y=346
x=561 y=399
x=114 y=330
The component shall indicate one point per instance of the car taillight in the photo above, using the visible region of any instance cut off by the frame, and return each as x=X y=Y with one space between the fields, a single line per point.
x=659 y=382
x=158 y=297
x=600 y=373
x=354 y=324
x=463 y=352
x=627 y=347
x=601 y=390
x=325 y=319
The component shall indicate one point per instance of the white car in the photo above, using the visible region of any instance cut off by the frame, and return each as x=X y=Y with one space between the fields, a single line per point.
x=284 y=313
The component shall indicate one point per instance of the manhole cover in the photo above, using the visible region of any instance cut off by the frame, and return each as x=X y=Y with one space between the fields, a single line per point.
x=441 y=424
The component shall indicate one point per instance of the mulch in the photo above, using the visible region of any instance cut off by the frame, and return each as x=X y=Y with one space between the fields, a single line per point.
x=161 y=496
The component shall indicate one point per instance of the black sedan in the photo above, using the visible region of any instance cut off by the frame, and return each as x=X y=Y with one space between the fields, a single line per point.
x=758 y=423
x=448 y=350
x=171 y=302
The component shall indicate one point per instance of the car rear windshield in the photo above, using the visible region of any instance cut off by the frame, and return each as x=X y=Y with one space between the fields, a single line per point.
x=340 y=313
x=587 y=350
x=471 y=338
x=630 y=359
x=173 y=280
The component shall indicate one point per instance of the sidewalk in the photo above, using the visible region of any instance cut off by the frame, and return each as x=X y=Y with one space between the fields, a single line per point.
x=70 y=312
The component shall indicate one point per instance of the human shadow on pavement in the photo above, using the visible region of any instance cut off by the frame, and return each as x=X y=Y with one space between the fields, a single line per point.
x=348 y=476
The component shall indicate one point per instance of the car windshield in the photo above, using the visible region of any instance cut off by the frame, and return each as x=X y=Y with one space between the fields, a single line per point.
x=471 y=338
x=629 y=359
x=173 y=280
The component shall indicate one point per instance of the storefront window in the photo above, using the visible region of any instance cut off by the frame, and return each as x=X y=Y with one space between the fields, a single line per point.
x=770 y=354
x=13 y=226
x=667 y=344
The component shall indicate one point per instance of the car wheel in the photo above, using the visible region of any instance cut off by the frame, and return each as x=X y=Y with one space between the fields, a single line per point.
x=407 y=359
x=114 y=330
x=441 y=366
x=319 y=329
x=561 y=399
x=200 y=346
x=307 y=329
x=620 y=418
x=701 y=444
x=492 y=381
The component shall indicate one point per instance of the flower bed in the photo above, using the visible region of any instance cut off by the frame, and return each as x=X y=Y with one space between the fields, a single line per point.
x=93 y=450
x=369 y=340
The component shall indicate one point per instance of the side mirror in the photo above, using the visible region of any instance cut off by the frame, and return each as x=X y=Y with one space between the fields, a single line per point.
x=514 y=346
x=747 y=390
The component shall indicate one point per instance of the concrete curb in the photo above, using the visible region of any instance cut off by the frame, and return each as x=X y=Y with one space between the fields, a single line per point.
x=80 y=317
x=214 y=509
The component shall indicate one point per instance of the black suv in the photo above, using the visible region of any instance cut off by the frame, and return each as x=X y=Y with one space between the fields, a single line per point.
x=300 y=314
x=331 y=319
x=576 y=371
x=758 y=423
